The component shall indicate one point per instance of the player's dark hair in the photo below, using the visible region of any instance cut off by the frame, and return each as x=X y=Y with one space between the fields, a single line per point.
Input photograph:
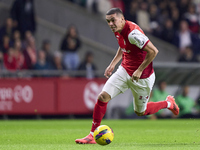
x=114 y=11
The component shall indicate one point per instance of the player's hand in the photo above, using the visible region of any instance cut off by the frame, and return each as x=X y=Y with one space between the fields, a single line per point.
x=136 y=75
x=108 y=71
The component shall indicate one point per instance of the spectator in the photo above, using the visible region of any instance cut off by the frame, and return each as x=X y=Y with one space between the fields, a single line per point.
x=7 y=29
x=183 y=6
x=46 y=47
x=28 y=37
x=143 y=18
x=197 y=4
x=188 y=56
x=70 y=45
x=156 y=21
x=5 y=44
x=29 y=50
x=88 y=66
x=153 y=12
x=192 y=19
x=9 y=60
x=41 y=63
x=4 y=48
x=168 y=32
x=103 y=6
x=157 y=95
x=175 y=16
x=14 y=59
x=163 y=12
x=131 y=11
x=172 y=4
x=23 y=13
x=20 y=63
x=186 y=104
x=57 y=61
x=16 y=36
x=162 y=6
x=118 y=4
x=92 y=5
x=1 y=61
x=162 y=18
x=184 y=38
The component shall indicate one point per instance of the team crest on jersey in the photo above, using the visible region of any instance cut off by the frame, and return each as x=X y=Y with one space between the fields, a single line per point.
x=117 y=36
x=126 y=51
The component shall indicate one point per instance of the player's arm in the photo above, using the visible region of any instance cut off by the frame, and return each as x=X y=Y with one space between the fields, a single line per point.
x=137 y=38
x=116 y=59
x=152 y=51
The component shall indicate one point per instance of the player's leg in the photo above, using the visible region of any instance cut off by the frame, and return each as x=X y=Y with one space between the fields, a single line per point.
x=154 y=107
x=110 y=90
x=98 y=114
x=99 y=111
x=115 y=85
x=141 y=92
x=169 y=103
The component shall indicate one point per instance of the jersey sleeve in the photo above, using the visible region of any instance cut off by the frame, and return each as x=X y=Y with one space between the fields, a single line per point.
x=138 y=38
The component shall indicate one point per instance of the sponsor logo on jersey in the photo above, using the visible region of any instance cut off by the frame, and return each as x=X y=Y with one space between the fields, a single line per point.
x=126 y=51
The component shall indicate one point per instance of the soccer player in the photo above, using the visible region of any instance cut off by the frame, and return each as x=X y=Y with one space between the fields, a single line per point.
x=135 y=72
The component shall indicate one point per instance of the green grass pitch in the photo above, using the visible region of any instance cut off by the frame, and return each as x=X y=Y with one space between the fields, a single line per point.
x=171 y=134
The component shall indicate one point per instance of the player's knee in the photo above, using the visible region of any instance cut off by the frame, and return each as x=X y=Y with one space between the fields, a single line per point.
x=104 y=97
x=140 y=113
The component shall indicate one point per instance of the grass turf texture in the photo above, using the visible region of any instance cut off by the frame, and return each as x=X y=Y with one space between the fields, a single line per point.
x=171 y=134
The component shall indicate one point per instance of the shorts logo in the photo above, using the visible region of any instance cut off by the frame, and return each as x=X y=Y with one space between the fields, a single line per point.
x=143 y=97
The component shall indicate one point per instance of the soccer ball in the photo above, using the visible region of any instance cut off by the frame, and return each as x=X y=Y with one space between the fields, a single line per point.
x=103 y=135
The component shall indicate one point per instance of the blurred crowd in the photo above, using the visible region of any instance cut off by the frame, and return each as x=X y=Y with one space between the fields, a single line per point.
x=18 y=49
x=174 y=21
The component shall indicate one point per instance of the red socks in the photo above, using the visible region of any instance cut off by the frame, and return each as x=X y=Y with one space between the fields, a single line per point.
x=154 y=107
x=100 y=110
x=98 y=113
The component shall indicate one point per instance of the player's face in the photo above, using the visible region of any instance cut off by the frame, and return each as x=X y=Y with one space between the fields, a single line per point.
x=115 y=22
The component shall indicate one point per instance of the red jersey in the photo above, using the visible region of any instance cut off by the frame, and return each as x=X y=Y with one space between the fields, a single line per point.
x=132 y=40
